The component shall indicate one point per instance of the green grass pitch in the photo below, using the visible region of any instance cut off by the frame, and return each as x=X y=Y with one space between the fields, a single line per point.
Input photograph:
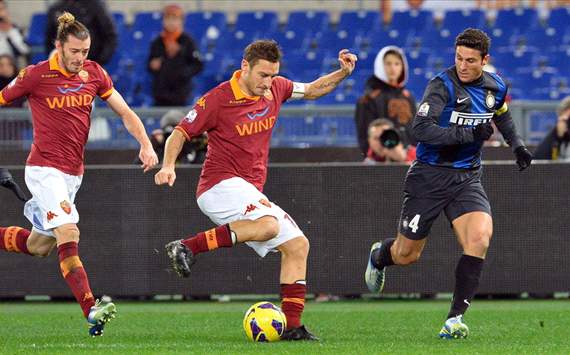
x=348 y=327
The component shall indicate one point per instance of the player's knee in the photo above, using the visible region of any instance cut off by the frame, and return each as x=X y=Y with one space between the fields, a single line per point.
x=479 y=240
x=269 y=227
x=297 y=248
x=41 y=248
x=406 y=256
x=67 y=233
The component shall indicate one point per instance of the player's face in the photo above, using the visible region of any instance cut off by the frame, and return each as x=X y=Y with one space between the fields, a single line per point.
x=469 y=63
x=258 y=78
x=73 y=53
x=393 y=67
x=172 y=23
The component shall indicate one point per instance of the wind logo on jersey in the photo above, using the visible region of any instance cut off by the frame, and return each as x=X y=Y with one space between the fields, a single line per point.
x=253 y=116
x=470 y=119
x=254 y=127
x=67 y=89
x=69 y=101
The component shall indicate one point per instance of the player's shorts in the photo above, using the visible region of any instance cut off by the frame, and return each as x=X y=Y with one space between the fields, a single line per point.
x=235 y=199
x=53 y=194
x=428 y=190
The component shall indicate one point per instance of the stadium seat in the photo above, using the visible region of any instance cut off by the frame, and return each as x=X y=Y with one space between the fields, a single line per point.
x=235 y=41
x=358 y=21
x=291 y=39
x=413 y=20
x=332 y=40
x=314 y=21
x=200 y=24
x=559 y=18
x=258 y=21
x=149 y=23
x=37 y=30
x=519 y=19
x=456 y=21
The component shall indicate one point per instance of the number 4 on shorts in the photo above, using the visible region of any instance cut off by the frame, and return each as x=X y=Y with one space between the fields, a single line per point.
x=414 y=223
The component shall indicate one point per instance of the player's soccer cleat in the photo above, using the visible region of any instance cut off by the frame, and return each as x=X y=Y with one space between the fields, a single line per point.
x=100 y=314
x=374 y=277
x=300 y=333
x=181 y=257
x=454 y=328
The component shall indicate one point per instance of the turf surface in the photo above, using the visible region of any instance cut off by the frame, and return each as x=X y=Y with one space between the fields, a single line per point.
x=352 y=327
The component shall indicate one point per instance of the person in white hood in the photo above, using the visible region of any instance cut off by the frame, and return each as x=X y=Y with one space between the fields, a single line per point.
x=385 y=96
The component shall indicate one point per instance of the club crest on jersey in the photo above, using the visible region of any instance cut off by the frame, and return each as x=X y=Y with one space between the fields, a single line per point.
x=83 y=75
x=490 y=100
x=65 y=206
x=191 y=116
x=201 y=102
x=423 y=110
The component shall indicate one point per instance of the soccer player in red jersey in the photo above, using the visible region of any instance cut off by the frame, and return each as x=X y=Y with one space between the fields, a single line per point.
x=239 y=116
x=60 y=93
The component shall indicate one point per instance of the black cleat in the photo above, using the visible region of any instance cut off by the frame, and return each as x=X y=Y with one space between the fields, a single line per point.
x=181 y=257
x=300 y=333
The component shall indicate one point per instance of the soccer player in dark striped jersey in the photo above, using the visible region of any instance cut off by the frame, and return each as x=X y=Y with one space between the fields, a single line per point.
x=452 y=122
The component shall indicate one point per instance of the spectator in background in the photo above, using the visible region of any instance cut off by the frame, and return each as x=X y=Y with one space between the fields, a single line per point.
x=11 y=38
x=386 y=145
x=386 y=96
x=95 y=16
x=193 y=151
x=173 y=60
x=555 y=145
x=8 y=72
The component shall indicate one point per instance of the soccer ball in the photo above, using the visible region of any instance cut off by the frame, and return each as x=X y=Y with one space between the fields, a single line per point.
x=264 y=322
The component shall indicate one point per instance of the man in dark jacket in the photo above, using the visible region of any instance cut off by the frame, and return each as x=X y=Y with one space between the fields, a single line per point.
x=173 y=60
x=95 y=16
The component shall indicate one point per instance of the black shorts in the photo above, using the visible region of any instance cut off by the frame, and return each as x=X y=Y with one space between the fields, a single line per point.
x=428 y=190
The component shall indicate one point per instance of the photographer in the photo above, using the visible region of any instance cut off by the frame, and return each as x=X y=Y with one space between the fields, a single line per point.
x=555 y=145
x=193 y=151
x=385 y=144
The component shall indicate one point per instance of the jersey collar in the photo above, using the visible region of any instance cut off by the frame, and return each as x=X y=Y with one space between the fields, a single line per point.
x=54 y=65
x=238 y=93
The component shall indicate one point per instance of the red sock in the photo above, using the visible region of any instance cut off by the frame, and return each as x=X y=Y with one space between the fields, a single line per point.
x=219 y=237
x=14 y=239
x=75 y=276
x=293 y=302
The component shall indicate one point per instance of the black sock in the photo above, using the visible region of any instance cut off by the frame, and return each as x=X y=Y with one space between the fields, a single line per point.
x=467 y=276
x=382 y=257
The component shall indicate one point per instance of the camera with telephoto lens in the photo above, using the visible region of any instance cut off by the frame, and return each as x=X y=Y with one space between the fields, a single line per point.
x=390 y=138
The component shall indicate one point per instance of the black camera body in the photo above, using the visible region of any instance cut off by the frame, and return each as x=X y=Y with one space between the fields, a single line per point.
x=390 y=138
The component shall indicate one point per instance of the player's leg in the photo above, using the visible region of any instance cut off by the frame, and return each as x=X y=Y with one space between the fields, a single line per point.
x=15 y=239
x=470 y=214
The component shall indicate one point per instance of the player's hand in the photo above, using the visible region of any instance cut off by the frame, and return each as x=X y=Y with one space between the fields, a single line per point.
x=7 y=181
x=524 y=157
x=347 y=61
x=148 y=158
x=166 y=175
x=483 y=131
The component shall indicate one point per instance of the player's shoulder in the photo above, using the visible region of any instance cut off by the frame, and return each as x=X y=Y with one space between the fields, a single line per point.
x=34 y=71
x=494 y=78
x=93 y=67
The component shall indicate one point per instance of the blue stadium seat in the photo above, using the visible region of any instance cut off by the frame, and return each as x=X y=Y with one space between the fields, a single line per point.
x=149 y=23
x=314 y=21
x=380 y=38
x=559 y=18
x=519 y=19
x=37 y=30
x=199 y=23
x=119 y=20
x=291 y=39
x=456 y=21
x=501 y=38
x=309 y=61
x=513 y=60
x=358 y=21
x=432 y=38
x=258 y=21
x=332 y=40
x=236 y=40
x=540 y=39
x=413 y=20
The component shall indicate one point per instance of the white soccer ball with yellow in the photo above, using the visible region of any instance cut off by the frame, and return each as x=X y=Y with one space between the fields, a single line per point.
x=264 y=322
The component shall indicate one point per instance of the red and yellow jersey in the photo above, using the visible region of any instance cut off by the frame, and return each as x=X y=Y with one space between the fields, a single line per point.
x=61 y=105
x=239 y=130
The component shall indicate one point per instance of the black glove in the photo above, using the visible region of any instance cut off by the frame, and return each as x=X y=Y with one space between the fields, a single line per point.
x=8 y=182
x=524 y=157
x=483 y=131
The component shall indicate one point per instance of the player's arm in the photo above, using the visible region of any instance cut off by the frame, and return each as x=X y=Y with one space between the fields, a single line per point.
x=135 y=127
x=19 y=87
x=329 y=82
x=172 y=149
x=505 y=124
x=426 y=127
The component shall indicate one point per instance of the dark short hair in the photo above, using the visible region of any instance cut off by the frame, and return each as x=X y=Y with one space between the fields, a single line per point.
x=265 y=49
x=68 y=25
x=474 y=38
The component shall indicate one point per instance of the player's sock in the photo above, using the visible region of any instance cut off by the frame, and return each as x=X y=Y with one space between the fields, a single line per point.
x=467 y=276
x=75 y=275
x=293 y=302
x=14 y=239
x=219 y=237
x=383 y=257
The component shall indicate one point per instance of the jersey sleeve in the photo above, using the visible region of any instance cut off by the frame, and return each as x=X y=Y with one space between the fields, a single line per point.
x=282 y=88
x=504 y=121
x=426 y=126
x=106 y=86
x=19 y=87
x=201 y=118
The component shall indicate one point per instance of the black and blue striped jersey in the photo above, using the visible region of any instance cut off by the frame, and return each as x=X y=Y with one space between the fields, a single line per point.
x=449 y=111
